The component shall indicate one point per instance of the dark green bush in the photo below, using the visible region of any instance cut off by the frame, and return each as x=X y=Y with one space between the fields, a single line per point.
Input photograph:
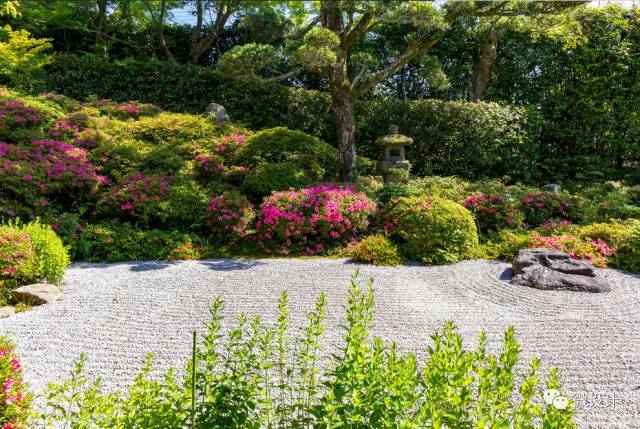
x=432 y=230
x=118 y=242
x=269 y=177
x=284 y=145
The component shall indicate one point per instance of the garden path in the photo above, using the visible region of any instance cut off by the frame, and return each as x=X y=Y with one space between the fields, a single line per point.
x=117 y=312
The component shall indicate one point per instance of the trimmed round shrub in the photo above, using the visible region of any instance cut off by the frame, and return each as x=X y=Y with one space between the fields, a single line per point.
x=376 y=250
x=541 y=207
x=314 y=219
x=494 y=212
x=229 y=216
x=14 y=397
x=628 y=255
x=432 y=230
x=51 y=256
x=267 y=178
x=281 y=144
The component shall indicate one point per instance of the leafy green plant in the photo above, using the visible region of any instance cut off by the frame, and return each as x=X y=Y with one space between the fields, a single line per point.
x=432 y=230
x=376 y=250
x=258 y=375
x=270 y=177
x=22 y=57
x=628 y=255
x=51 y=256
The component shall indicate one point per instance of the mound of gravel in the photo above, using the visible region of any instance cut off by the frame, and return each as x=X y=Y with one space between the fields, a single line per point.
x=116 y=313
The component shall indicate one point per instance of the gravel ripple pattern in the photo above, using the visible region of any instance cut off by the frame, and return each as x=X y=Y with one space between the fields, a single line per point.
x=116 y=313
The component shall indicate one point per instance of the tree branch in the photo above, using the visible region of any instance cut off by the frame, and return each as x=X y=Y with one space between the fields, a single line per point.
x=282 y=76
x=409 y=54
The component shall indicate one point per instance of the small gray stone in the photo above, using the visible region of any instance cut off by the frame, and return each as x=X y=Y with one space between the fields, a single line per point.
x=552 y=187
x=7 y=311
x=555 y=270
x=36 y=294
x=217 y=113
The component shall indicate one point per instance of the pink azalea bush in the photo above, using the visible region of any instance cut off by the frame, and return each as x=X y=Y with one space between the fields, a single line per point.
x=14 y=114
x=314 y=219
x=15 y=401
x=45 y=168
x=594 y=251
x=493 y=212
x=138 y=197
x=16 y=253
x=541 y=207
x=130 y=110
x=229 y=216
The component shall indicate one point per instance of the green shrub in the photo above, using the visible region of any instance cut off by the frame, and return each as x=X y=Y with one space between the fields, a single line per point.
x=261 y=375
x=51 y=256
x=267 y=178
x=17 y=256
x=376 y=250
x=541 y=207
x=283 y=145
x=504 y=244
x=628 y=254
x=432 y=230
x=451 y=188
x=119 y=242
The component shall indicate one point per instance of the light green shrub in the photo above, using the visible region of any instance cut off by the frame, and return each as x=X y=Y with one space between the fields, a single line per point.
x=376 y=250
x=51 y=256
x=628 y=253
x=432 y=230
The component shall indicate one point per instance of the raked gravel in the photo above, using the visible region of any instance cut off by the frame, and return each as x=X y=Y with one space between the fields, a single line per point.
x=116 y=313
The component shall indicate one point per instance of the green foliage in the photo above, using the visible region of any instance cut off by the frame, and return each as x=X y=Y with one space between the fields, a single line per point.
x=432 y=230
x=22 y=57
x=51 y=256
x=258 y=375
x=504 y=244
x=451 y=188
x=283 y=145
x=376 y=250
x=270 y=177
x=251 y=59
x=628 y=254
x=119 y=242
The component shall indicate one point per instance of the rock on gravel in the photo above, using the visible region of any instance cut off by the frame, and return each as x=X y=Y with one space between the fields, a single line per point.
x=554 y=270
x=116 y=313
x=37 y=294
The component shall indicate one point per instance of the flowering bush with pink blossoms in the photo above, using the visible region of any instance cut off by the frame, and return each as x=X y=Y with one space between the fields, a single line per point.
x=229 y=216
x=14 y=115
x=131 y=110
x=42 y=169
x=541 y=207
x=494 y=212
x=15 y=401
x=138 y=197
x=314 y=219
x=594 y=251
x=16 y=255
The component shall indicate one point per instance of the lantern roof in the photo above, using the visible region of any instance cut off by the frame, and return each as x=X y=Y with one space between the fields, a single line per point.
x=394 y=138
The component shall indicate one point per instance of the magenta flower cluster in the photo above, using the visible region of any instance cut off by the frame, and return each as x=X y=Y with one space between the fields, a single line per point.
x=230 y=216
x=16 y=250
x=541 y=207
x=14 y=400
x=45 y=167
x=314 y=219
x=594 y=251
x=493 y=212
x=14 y=113
x=138 y=195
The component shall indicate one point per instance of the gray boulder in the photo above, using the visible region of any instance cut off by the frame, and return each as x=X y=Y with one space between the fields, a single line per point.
x=37 y=294
x=551 y=187
x=555 y=270
x=217 y=113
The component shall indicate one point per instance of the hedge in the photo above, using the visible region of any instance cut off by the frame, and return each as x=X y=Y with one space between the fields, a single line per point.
x=451 y=138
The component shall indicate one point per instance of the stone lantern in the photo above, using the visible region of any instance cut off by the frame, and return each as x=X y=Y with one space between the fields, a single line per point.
x=393 y=161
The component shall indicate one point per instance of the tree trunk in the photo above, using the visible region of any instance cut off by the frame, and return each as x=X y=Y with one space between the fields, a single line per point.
x=100 y=24
x=482 y=65
x=345 y=131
